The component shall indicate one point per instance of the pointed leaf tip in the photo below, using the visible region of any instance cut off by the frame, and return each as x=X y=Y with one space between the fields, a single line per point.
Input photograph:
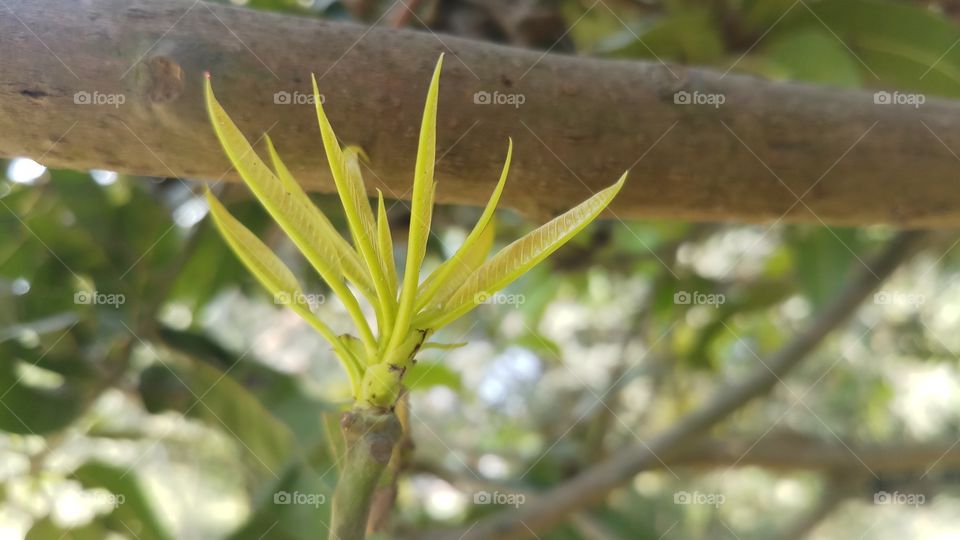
x=518 y=258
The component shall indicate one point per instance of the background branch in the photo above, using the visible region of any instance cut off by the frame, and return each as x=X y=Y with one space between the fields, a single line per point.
x=592 y=484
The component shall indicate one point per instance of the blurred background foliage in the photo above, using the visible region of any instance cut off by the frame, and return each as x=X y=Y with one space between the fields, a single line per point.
x=151 y=390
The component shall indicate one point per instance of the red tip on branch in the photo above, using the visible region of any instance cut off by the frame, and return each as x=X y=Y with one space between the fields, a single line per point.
x=206 y=74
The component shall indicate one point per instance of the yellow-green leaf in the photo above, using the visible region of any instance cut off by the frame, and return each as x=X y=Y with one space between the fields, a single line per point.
x=385 y=245
x=452 y=272
x=519 y=257
x=255 y=255
x=345 y=168
x=269 y=271
x=355 y=198
x=299 y=224
x=421 y=209
x=465 y=264
x=363 y=228
x=351 y=265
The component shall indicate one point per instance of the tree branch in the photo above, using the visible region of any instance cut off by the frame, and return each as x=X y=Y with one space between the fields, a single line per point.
x=583 y=121
x=592 y=484
x=791 y=453
x=836 y=490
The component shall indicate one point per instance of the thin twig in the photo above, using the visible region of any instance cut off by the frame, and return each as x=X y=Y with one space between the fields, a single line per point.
x=594 y=483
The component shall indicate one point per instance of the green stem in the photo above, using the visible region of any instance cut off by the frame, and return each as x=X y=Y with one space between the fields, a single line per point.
x=370 y=436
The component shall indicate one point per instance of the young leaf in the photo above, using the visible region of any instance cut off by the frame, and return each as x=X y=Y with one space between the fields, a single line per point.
x=385 y=245
x=421 y=210
x=255 y=255
x=351 y=264
x=466 y=264
x=356 y=198
x=363 y=228
x=519 y=257
x=345 y=168
x=454 y=269
x=268 y=269
x=299 y=224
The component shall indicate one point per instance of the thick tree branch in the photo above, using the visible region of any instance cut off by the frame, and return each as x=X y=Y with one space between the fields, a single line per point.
x=582 y=123
x=592 y=484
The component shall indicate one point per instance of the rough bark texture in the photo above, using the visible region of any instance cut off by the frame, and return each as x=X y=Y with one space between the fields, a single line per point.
x=582 y=123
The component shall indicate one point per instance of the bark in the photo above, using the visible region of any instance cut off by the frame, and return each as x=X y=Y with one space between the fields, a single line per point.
x=583 y=121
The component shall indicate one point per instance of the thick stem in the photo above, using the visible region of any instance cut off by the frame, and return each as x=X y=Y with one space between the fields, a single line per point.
x=370 y=437
x=385 y=496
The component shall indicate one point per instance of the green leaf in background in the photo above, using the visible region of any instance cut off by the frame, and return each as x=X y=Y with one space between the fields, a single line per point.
x=895 y=45
x=690 y=36
x=824 y=258
x=279 y=431
x=282 y=394
x=30 y=408
x=811 y=55
x=205 y=393
x=905 y=45
x=759 y=16
x=425 y=375
x=297 y=508
x=133 y=511
x=46 y=529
